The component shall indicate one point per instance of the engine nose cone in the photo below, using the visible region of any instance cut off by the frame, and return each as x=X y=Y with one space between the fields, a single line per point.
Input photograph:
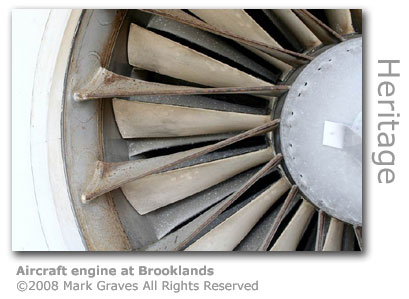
x=321 y=131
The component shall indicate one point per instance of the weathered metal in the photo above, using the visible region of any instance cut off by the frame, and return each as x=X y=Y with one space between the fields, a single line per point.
x=321 y=128
x=287 y=56
x=333 y=240
x=340 y=20
x=290 y=24
x=292 y=234
x=158 y=190
x=356 y=15
x=325 y=33
x=319 y=241
x=79 y=127
x=208 y=182
x=228 y=234
x=134 y=120
x=143 y=145
x=167 y=218
x=109 y=176
x=358 y=234
x=179 y=239
x=289 y=200
x=106 y=84
x=211 y=43
x=153 y=52
x=238 y=22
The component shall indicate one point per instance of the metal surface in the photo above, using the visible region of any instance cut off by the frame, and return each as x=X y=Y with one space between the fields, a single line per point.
x=134 y=120
x=80 y=129
x=228 y=234
x=163 y=106
x=179 y=239
x=142 y=145
x=340 y=20
x=291 y=25
x=328 y=89
x=158 y=190
x=169 y=217
x=319 y=241
x=153 y=52
x=258 y=238
x=319 y=28
x=290 y=199
x=333 y=240
x=109 y=176
x=291 y=236
x=214 y=45
x=286 y=56
x=238 y=22
x=106 y=84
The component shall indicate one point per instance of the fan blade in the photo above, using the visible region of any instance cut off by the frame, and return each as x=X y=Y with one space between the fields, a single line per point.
x=294 y=231
x=319 y=241
x=106 y=84
x=135 y=120
x=153 y=52
x=333 y=240
x=358 y=234
x=144 y=145
x=258 y=238
x=167 y=218
x=340 y=20
x=227 y=235
x=210 y=42
x=180 y=238
x=348 y=240
x=291 y=23
x=155 y=191
x=238 y=22
x=109 y=176
x=320 y=29
x=285 y=208
x=356 y=15
x=286 y=56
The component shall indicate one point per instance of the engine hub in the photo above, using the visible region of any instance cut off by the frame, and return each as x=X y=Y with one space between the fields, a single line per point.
x=321 y=131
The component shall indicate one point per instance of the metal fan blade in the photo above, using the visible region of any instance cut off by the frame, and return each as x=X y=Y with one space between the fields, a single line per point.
x=333 y=240
x=358 y=234
x=153 y=52
x=210 y=42
x=180 y=238
x=227 y=235
x=340 y=20
x=144 y=145
x=167 y=218
x=286 y=56
x=106 y=84
x=348 y=240
x=291 y=24
x=320 y=29
x=319 y=240
x=134 y=120
x=155 y=191
x=294 y=231
x=109 y=176
x=288 y=204
x=356 y=15
x=238 y=22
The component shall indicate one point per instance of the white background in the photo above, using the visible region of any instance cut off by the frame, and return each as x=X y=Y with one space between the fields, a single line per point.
x=379 y=271
x=28 y=27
